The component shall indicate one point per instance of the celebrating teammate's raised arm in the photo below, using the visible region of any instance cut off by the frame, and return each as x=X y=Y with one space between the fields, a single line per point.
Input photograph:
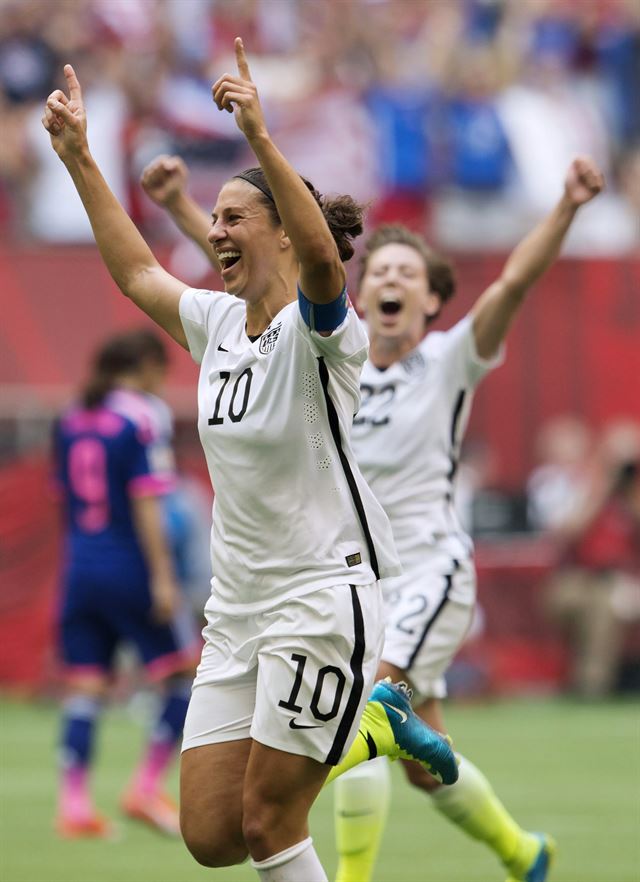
x=496 y=308
x=322 y=274
x=164 y=180
x=125 y=253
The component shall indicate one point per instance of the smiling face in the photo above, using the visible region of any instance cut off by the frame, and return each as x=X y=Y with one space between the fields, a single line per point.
x=250 y=247
x=394 y=292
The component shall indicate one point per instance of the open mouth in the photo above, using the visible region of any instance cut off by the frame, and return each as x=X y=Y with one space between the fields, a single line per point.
x=390 y=305
x=228 y=258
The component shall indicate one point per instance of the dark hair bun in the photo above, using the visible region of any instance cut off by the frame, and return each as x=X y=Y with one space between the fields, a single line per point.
x=344 y=216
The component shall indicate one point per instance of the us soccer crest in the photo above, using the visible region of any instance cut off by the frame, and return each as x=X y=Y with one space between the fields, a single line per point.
x=269 y=339
x=414 y=363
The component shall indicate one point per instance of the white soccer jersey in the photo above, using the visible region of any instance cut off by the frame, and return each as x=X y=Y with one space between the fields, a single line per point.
x=292 y=512
x=407 y=436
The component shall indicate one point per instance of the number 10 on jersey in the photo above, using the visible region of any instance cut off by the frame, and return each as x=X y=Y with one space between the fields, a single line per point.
x=235 y=399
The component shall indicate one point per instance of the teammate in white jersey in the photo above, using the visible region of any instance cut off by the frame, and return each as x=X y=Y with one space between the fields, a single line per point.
x=295 y=626
x=416 y=398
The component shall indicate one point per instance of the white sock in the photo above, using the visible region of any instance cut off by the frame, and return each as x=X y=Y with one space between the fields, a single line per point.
x=296 y=864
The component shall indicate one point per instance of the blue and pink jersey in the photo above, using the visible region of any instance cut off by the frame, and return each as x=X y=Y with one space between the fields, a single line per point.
x=104 y=457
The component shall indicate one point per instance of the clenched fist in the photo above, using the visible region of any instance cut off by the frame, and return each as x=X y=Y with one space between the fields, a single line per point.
x=165 y=179
x=584 y=181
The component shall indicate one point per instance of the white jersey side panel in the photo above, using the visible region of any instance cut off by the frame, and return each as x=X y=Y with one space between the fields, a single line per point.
x=292 y=512
x=407 y=438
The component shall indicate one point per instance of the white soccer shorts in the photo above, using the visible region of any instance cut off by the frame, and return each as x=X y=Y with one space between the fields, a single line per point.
x=429 y=610
x=295 y=678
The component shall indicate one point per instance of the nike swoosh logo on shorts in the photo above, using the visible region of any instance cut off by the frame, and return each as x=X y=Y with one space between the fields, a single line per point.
x=403 y=717
x=221 y=348
x=294 y=725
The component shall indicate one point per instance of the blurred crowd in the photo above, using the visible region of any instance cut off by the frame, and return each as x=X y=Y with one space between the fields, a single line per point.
x=586 y=493
x=457 y=116
x=582 y=502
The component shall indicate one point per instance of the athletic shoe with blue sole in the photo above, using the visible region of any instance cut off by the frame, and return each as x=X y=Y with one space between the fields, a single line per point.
x=539 y=869
x=413 y=739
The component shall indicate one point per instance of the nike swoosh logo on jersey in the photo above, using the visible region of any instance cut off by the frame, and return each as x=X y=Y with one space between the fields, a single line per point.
x=294 y=725
x=221 y=348
x=403 y=717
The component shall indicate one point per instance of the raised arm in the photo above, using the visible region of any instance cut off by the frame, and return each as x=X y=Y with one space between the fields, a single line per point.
x=165 y=182
x=127 y=257
x=495 y=309
x=322 y=273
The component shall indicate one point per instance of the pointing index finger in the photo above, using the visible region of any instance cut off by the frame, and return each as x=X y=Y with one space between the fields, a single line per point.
x=75 y=92
x=241 y=60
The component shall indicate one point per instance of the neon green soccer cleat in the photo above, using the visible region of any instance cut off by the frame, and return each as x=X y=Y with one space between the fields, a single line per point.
x=399 y=733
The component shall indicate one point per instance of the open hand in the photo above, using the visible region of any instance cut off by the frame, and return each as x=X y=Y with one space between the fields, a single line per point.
x=165 y=179
x=584 y=181
x=238 y=94
x=65 y=118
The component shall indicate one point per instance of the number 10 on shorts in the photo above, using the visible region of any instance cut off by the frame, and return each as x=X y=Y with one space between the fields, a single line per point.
x=329 y=680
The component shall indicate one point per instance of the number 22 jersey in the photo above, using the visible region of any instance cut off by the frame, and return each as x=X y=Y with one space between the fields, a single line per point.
x=292 y=512
x=407 y=437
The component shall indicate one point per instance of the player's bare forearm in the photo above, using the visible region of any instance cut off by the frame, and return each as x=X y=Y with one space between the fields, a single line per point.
x=194 y=222
x=531 y=258
x=322 y=274
x=164 y=180
x=538 y=250
x=147 y=516
x=497 y=307
x=123 y=249
x=125 y=253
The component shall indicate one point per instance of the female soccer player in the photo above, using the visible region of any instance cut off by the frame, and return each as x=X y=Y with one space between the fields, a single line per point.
x=118 y=582
x=298 y=541
x=416 y=398
x=417 y=392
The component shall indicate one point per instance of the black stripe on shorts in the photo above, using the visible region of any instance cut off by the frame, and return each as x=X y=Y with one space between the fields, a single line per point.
x=357 y=657
x=443 y=602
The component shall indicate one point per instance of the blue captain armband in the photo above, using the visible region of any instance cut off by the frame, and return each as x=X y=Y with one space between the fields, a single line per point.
x=324 y=316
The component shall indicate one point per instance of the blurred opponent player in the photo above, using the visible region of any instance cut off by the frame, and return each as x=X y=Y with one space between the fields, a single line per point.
x=113 y=466
x=299 y=543
x=416 y=399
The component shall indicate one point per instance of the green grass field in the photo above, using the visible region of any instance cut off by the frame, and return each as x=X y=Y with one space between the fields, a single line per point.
x=571 y=769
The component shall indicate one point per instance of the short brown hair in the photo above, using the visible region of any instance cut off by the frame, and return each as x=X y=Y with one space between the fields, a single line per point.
x=440 y=271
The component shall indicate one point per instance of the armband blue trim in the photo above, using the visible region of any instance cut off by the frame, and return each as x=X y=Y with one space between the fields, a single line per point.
x=324 y=316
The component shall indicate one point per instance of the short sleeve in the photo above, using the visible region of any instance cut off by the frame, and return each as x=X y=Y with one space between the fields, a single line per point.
x=349 y=341
x=459 y=355
x=199 y=312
